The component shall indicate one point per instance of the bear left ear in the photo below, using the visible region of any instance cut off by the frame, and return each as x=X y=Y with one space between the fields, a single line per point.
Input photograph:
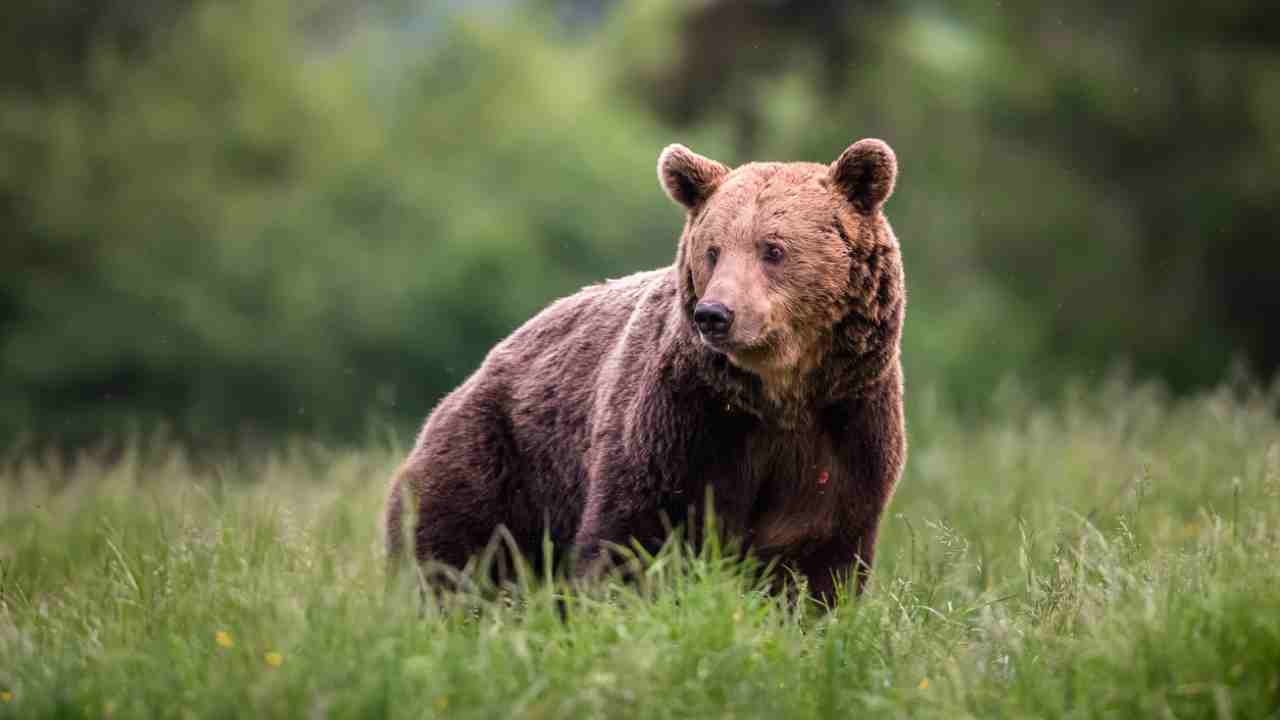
x=688 y=177
x=865 y=173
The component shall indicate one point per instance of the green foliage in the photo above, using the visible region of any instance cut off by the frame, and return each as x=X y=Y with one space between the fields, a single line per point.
x=250 y=218
x=1113 y=555
x=244 y=233
x=1096 y=175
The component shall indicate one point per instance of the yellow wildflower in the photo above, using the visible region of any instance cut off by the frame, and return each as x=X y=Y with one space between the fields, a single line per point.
x=223 y=638
x=274 y=659
x=924 y=684
x=6 y=696
x=442 y=702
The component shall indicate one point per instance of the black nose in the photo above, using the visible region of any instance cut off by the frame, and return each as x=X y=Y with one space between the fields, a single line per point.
x=713 y=318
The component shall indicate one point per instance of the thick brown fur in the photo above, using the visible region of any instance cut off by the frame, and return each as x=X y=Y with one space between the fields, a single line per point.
x=608 y=416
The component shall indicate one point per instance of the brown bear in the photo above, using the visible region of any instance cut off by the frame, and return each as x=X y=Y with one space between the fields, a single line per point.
x=763 y=365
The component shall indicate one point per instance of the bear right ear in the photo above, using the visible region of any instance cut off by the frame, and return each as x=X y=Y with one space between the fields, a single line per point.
x=688 y=177
x=865 y=173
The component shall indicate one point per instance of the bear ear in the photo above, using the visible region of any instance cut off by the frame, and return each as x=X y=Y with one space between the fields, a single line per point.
x=688 y=177
x=865 y=173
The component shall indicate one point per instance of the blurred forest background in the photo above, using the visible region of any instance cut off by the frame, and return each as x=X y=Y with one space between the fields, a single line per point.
x=251 y=219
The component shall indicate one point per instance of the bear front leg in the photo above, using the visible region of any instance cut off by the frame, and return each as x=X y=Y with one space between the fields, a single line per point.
x=874 y=451
x=836 y=562
x=618 y=510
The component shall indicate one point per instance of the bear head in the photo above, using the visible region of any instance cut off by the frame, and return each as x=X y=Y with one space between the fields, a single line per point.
x=790 y=270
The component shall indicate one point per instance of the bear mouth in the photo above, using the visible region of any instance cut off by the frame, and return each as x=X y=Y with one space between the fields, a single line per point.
x=735 y=349
x=723 y=344
x=717 y=343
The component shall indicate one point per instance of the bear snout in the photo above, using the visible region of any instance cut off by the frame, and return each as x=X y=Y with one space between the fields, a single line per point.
x=713 y=320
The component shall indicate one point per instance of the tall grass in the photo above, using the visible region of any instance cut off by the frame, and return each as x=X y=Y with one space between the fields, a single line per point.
x=1116 y=554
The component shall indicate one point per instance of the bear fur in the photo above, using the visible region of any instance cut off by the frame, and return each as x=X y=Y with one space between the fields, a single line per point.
x=607 y=417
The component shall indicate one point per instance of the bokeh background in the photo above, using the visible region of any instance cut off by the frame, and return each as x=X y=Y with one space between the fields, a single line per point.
x=250 y=219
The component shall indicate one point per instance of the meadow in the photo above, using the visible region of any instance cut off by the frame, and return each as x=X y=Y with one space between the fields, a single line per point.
x=1113 y=553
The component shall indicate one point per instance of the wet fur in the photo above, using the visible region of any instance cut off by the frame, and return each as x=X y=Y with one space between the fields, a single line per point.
x=605 y=417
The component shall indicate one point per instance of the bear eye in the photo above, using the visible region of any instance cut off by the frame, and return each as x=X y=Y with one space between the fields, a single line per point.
x=713 y=254
x=773 y=253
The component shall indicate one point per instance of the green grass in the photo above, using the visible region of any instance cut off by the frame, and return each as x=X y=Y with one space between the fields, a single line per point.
x=1114 y=555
